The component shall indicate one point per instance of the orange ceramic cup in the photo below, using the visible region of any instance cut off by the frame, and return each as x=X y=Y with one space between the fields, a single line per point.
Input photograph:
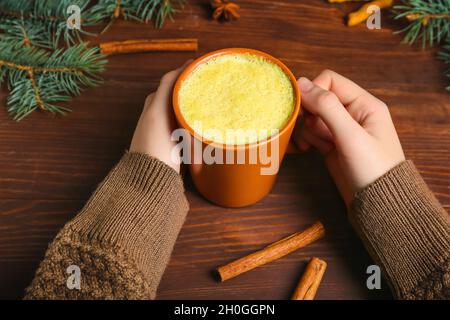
x=236 y=185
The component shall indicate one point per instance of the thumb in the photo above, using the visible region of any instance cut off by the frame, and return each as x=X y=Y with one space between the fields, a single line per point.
x=164 y=92
x=326 y=105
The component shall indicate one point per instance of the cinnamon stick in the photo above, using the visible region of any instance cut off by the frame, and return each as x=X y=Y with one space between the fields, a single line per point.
x=310 y=280
x=130 y=46
x=272 y=252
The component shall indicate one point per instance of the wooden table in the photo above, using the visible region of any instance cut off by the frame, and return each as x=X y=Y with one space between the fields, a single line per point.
x=49 y=165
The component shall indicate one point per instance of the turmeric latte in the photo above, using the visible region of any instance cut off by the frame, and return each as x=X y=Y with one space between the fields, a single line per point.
x=237 y=99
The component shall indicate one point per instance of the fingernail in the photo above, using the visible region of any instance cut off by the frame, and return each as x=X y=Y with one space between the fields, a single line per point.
x=303 y=145
x=305 y=84
x=188 y=62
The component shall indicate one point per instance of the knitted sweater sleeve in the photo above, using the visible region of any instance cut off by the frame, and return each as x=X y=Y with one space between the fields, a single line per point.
x=118 y=246
x=406 y=231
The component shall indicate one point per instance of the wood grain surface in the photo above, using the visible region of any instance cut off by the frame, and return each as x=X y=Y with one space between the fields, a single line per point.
x=50 y=165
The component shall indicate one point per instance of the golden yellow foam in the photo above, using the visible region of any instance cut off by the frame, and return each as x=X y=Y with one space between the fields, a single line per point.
x=226 y=96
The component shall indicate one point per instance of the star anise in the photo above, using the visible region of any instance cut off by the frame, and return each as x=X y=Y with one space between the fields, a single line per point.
x=226 y=9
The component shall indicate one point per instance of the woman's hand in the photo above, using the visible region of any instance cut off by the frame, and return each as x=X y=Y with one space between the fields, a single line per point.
x=157 y=122
x=352 y=129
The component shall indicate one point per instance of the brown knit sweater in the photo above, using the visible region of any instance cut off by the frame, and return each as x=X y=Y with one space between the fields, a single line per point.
x=123 y=237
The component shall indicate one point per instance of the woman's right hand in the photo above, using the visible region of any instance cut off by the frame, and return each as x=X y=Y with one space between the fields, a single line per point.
x=351 y=128
x=152 y=135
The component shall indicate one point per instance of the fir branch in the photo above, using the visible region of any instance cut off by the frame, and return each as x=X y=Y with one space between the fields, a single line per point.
x=27 y=32
x=445 y=56
x=46 y=20
x=48 y=16
x=37 y=73
x=38 y=79
x=138 y=10
x=429 y=20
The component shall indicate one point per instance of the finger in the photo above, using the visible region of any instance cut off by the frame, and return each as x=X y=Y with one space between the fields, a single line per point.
x=164 y=92
x=318 y=127
x=306 y=136
x=346 y=90
x=327 y=106
x=362 y=106
x=299 y=141
x=302 y=144
x=148 y=100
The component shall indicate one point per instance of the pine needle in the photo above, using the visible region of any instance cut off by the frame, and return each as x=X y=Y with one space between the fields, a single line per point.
x=47 y=17
x=137 y=10
x=445 y=56
x=38 y=79
x=43 y=62
x=429 y=20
